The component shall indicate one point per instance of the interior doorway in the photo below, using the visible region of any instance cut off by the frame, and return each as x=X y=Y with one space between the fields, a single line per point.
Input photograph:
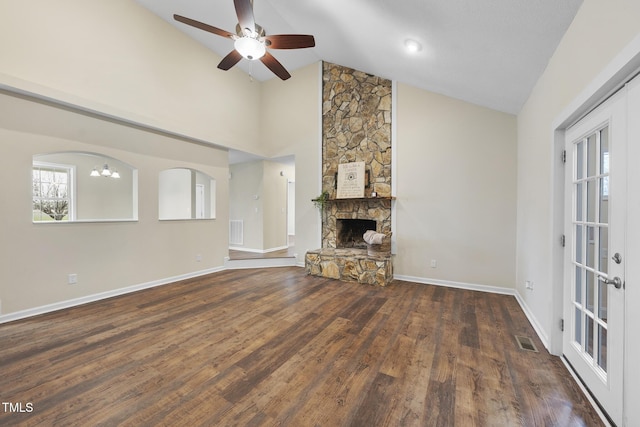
x=262 y=199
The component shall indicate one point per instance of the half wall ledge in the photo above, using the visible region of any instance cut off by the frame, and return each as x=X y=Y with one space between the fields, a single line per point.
x=350 y=265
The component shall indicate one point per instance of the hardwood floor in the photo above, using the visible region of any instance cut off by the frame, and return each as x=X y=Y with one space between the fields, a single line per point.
x=277 y=347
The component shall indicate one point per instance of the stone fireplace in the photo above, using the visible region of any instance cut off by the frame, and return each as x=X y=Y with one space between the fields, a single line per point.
x=356 y=127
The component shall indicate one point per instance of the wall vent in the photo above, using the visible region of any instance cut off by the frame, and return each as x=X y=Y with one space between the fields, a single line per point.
x=236 y=232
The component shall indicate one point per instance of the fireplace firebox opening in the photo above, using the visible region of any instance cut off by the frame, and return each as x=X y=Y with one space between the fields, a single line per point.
x=349 y=232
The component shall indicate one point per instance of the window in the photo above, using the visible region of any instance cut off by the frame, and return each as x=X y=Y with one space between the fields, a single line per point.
x=52 y=192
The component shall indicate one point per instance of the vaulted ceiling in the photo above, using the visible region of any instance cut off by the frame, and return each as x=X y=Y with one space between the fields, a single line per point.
x=488 y=52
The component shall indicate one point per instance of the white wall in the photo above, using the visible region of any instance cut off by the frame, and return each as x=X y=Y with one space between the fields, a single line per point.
x=456 y=193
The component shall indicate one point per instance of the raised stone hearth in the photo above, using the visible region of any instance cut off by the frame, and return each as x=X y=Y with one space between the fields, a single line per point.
x=350 y=265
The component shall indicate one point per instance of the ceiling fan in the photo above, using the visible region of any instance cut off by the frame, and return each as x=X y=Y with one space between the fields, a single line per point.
x=250 y=40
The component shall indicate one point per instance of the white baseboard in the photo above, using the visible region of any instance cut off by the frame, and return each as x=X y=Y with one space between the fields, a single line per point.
x=235 y=264
x=459 y=285
x=102 y=295
x=257 y=251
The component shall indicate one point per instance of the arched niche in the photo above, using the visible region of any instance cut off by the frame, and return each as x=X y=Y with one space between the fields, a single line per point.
x=83 y=187
x=185 y=193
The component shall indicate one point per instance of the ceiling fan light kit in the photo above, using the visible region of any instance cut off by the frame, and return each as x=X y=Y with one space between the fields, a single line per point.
x=250 y=48
x=250 y=42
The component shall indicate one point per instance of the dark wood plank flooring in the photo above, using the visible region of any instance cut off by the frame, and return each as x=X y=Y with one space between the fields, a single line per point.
x=276 y=347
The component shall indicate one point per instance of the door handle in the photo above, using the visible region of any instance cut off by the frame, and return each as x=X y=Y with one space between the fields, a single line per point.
x=616 y=281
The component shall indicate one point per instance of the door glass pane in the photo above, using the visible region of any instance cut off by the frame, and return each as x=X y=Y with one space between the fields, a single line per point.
x=602 y=300
x=591 y=241
x=604 y=200
x=579 y=244
x=603 y=250
x=589 y=335
x=591 y=155
x=578 y=326
x=590 y=291
x=578 y=282
x=602 y=347
x=580 y=160
x=579 y=198
x=604 y=150
x=591 y=201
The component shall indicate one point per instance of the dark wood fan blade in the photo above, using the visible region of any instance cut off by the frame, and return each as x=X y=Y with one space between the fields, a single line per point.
x=289 y=41
x=275 y=66
x=203 y=26
x=230 y=60
x=244 y=10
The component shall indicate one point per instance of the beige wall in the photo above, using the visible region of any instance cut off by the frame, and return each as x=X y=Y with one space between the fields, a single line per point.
x=456 y=193
x=118 y=58
x=291 y=125
x=36 y=259
x=598 y=33
x=275 y=206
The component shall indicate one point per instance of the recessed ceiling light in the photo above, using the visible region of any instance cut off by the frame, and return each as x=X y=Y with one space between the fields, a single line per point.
x=412 y=45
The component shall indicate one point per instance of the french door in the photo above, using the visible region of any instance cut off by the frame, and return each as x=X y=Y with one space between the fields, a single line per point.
x=595 y=229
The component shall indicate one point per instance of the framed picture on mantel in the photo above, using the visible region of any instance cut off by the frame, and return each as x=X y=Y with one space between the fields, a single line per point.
x=350 y=180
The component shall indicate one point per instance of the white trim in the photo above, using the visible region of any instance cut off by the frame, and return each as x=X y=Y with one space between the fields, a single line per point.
x=238 y=264
x=394 y=164
x=459 y=285
x=102 y=295
x=257 y=251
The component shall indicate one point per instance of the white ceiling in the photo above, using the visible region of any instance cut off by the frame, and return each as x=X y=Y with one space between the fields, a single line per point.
x=488 y=52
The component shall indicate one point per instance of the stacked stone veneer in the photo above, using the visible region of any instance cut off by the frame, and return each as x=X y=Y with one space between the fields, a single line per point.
x=356 y=126
x=350 y=265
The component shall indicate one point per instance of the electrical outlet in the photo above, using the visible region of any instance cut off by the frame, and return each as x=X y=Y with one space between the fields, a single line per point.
x=198 y=258
x=528 y=284
x=73 y=279
x=434 y=263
